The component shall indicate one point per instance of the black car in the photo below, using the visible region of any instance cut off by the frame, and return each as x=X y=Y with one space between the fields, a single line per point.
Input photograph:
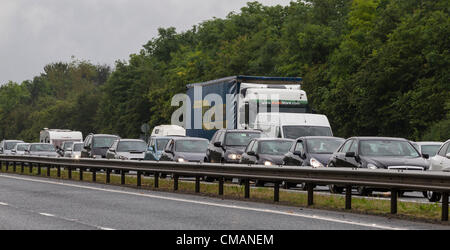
x=96 y=145
x=185 y=149
x=227 y=146
x=377 y=153
x=311 y=151
x=265 y=151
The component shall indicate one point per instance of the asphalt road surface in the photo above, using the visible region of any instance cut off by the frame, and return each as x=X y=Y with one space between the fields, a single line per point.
x=40 y=203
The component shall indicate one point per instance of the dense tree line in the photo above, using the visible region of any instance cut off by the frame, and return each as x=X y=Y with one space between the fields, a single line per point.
x=374 y=67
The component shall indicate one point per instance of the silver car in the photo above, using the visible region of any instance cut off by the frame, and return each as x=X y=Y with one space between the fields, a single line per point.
x=74 y=152
x=20 y=148
x=440 y=162
x=41 y=149
x=6 y=146
x=127 y=149
x=429 y=148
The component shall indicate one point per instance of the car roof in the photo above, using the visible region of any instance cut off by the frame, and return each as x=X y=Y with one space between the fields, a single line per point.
x=273 y=139
x=319 y=137
x=241 y=130
x=378 y=138
x=104 y=135
x=189 y=138
x=428 y=143
x=131 y=140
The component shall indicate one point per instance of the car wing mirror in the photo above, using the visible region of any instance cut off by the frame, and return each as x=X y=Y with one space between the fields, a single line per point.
x=350 y=154
x=448 y=156
x=150 y=148
x=168 y=151
x=218 y=144
x=426 y=156
x=251 y=153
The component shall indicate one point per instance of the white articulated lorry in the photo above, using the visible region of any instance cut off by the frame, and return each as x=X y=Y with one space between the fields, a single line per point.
x=276 y=105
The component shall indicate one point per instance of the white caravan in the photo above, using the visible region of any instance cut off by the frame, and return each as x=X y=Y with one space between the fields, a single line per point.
x=58 y=136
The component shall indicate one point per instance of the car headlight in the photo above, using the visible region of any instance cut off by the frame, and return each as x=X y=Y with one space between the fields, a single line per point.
x=268 y=163
x=181 y=160
x=315 y=163
x=371 y=166
x=233 y=156
x=77 y=157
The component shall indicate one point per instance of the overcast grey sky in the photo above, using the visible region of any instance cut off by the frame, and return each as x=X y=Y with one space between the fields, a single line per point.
x=37 y=32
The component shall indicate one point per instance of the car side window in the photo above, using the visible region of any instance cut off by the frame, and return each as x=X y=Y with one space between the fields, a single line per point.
x=215 y=136
x=170 y=145
x=249 y=146
x=221 y=137
x=299 y=147
x=354 y=147
x=448 y=149
x=255 y=147
x=346 y=146
x=444 y=149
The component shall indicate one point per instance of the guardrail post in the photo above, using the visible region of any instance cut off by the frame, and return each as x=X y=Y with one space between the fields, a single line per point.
x=394 y=196
x=156 y=180
x=122 y=177
x=30 y=167
x=138 y=179
x=48 y=170
x=197 y=184
x=69 y=173
x=445 y=207
x=348 y=197
x=22 y=169
x=58 y=168
x=221 y=181
x=94 y=175
x=175 y=182
x=81 y=174
x=14 y=166
x=310 y=188
x=7 y=166
x=108 y=176
x=39 y=169
x=276 y=190
x=247 y=188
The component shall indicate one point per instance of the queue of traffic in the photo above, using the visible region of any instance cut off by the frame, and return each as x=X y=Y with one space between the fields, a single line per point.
x=169 y=143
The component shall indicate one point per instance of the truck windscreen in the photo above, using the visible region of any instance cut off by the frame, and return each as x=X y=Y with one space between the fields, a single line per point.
x=294 y=132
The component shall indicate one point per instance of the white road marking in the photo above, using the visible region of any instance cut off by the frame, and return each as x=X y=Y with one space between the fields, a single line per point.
x=3 y=204
x=48 y=215
x=295 y=214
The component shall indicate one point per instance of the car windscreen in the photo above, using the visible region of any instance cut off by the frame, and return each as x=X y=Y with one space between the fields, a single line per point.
x=104 y=142
x=131 y=146
x=274 y=147
x=430 y=150
x=67 y=145
x=392 y=148
x=191 y=146
x=240 y=138
x=294 y=132
x=22 y=147
x=161 y=144
x=77 y=147
x=10 y=145
x=323 y=145
x=42 y=148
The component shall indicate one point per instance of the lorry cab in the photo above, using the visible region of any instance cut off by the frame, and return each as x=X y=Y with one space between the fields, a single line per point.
x=292 y=125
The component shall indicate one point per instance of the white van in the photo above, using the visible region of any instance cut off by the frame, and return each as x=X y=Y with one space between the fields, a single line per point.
x=58 y=136
x=168 y=130
x=292 y=125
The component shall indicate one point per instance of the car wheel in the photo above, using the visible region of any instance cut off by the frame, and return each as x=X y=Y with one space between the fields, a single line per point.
x=335 y=189
x=259 y=183
x=433 y=196
x=362 y=191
